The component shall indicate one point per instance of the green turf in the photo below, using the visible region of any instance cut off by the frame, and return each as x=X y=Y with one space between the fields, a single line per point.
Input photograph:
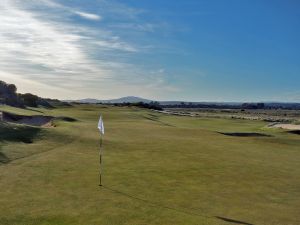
x=158 y=169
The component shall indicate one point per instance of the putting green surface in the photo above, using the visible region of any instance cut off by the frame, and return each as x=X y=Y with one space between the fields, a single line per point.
x=158 y=169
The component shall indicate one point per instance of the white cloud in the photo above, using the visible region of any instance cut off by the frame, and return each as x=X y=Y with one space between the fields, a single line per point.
x=31 y=43
x=88 y=16
x=52 y=4
x=116 y=45
x=52 y=57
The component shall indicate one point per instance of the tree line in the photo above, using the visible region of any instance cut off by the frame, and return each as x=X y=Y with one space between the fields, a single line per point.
x=9 y=96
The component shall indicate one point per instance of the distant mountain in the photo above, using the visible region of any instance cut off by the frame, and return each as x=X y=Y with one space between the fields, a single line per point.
x=185 y=104
x=128 y=99
x=134 y=99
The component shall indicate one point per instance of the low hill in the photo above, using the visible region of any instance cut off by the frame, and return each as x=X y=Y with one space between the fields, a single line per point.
x=128 y=99
x=186 y=104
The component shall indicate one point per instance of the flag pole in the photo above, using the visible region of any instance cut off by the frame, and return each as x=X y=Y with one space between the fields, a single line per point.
x=101 y=129
x=100 y=158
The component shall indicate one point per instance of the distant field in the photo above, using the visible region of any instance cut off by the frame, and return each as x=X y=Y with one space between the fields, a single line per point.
x=158 y=169
x=271 y=115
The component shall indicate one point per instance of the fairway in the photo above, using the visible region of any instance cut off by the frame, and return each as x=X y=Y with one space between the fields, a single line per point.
x=158 y=169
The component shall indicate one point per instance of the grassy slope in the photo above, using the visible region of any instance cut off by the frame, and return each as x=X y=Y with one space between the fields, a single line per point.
x=158 y=169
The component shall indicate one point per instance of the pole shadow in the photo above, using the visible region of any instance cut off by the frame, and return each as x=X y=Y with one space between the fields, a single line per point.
x=233 y=221
x=155 y=204
x=182 y=210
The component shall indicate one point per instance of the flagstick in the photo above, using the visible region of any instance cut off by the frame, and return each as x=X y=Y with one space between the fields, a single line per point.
x=101 y=129
x=100 y=154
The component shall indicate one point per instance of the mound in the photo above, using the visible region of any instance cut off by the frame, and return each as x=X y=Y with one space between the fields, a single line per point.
x=13 y=133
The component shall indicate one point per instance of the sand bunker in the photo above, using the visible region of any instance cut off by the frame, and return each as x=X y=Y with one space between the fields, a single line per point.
x=36 y=120
x=286 y=126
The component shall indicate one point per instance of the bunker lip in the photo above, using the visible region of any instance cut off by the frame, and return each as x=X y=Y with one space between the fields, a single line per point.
x=35 y=120
x=294 y=132
x=244 y=134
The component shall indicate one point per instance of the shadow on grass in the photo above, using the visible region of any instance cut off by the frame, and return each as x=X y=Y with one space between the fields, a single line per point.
x=233 y=221
x=179 y=210
x=18 y=133
x=35 y=110
x=237 y=134
x=3 y=158
x=66 y=119
x=154 y=204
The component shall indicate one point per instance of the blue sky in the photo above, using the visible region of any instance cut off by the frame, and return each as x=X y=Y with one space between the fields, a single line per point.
x=194 y=50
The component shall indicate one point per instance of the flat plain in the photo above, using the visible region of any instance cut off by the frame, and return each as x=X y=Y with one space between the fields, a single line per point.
x=158 y=169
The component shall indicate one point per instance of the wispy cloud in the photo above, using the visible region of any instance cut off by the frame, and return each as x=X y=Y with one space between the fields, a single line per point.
x=40 y=46
x=141 y=27
x=115 y=45
x=79 y=61
x=55 y=5
x=88 y=16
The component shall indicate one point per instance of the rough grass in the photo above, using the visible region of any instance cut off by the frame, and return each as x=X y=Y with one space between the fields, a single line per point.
x=158 y=169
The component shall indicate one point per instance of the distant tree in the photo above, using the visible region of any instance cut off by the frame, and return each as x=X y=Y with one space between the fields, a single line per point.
x=260 y=105
x=30 y=99
x=12 y=88
x=8 y=94
x=253 y=106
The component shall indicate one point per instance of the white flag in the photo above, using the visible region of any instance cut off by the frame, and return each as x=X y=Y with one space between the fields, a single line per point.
x=101 y=125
